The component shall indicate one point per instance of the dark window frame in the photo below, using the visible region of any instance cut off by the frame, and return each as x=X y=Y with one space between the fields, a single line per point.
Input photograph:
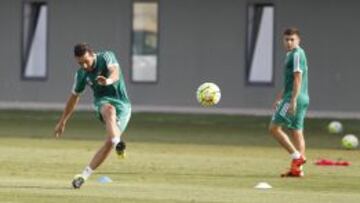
x=248 y=58
x=132 y=36
x=24 y=46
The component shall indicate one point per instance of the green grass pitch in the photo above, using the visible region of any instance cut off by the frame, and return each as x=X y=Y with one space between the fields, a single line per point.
x=171 y=158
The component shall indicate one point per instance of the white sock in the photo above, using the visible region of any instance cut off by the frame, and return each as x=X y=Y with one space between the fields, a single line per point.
x=295 y=155
x=115 y=140
x=87 y=172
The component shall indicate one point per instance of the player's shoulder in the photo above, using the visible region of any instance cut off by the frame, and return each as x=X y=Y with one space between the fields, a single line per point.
x=299 y=50
x=106 y=53
x=108 y=57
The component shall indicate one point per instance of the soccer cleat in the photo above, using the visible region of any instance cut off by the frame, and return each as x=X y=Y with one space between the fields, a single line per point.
x=295 y=174
x=78 y=181
x=298 y=163
x=296 y=169
x=121 y=150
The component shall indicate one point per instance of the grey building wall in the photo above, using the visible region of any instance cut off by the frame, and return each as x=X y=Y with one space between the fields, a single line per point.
x=200 y=40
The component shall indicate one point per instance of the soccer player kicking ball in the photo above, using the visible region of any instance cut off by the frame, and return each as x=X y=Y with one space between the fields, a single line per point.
x=291 y=103
x=102 y=73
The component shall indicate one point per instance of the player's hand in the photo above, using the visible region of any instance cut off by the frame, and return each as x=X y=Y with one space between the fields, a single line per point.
x=292 y=107
x=59 y=129
x=101 y=80
x=275 y=104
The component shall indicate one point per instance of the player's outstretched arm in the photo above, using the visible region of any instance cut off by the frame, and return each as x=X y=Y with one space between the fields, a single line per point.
x=69 y=109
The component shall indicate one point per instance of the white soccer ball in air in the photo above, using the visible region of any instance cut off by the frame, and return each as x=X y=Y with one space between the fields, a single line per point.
x=349 y=141
x=208 y=94
x=335 y=127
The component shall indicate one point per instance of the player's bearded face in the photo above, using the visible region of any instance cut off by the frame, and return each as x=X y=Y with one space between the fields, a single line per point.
x=291 y=42
x=86 y=61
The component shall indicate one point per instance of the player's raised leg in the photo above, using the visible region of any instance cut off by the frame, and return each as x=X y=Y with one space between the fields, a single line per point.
x=108 y=113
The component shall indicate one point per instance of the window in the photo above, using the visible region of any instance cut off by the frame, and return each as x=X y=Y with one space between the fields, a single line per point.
x=144 y=41
x=260 y=44
x=34 y=40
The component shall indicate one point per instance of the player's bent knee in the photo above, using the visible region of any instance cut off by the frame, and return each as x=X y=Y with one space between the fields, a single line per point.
x=108 y=112
x=107 y=109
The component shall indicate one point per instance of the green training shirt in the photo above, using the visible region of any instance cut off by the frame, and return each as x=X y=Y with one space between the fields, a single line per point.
x=296 y=62
x=117 y=90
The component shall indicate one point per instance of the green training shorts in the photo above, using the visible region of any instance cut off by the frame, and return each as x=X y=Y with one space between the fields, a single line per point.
x=283 y=118
x=123 y=111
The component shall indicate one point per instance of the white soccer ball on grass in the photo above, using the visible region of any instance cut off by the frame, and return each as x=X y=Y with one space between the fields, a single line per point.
x=350 y=141
x=335 y=127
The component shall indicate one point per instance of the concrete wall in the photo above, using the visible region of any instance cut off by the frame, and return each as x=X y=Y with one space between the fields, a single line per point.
x=202 y=40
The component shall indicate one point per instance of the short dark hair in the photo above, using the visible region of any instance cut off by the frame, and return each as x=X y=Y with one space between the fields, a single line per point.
x=292 y=31
x=81 y=49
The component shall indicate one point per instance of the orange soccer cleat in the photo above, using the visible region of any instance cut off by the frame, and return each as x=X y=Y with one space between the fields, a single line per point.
x=296 y=168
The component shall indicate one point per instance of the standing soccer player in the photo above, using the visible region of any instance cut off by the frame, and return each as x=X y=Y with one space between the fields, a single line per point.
x=100 y=71
x=291 y=103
